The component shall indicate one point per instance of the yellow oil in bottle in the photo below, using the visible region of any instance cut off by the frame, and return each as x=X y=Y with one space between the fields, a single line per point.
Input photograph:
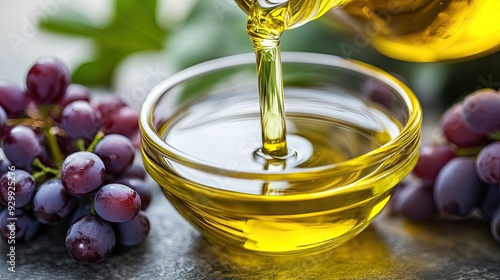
x=428 y=30
x=410 y=30
x=299 y=11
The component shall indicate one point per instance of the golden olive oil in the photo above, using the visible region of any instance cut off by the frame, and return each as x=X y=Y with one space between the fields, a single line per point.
x=421 y=30
x=267 y=20
x=323 y=129
x=410 y=30
x=299 y=11
x=263 y=152
x=428 y=30
x=265 y=26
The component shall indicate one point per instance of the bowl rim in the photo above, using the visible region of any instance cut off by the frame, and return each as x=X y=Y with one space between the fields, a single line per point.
x=409 y=131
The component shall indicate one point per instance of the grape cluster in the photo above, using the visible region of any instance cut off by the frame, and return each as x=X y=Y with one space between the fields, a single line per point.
x=63 y=159
x=458 y=172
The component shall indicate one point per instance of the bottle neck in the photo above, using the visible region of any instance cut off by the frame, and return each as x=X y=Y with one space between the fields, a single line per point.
x=299 y=11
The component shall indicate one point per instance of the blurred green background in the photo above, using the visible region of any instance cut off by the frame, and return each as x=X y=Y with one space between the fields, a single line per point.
x=133 y=44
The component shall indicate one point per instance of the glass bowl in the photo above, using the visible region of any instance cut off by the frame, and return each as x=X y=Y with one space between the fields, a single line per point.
x=200 y=132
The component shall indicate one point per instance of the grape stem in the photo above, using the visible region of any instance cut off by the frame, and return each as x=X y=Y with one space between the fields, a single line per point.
x=43 y=169
x=469 y=151
x=92 y=209
x=25 y=121
x=54 y=149
x=495 y=136
x=80 y=144
x=97 y=138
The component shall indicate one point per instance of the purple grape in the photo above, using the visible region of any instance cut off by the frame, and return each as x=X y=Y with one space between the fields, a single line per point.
x=74 y=92
x=432 y=158
x=117 y=203
x=109 y=105
x=458 y=189
x=66 y=145
x=90 y=239
x=19 y=186
x=52 y=203
x=47 y=80
x=13 y=99
x=456 y=131
x=393 y=206
x=3 y=118
x=416 y=201
x=488 y=163
x=133 y=232
x=378 y=93
x=140 y=186
x=23 y=228
x=21 y=146
x=124 y=122
x=481 y=111
x=495 y=225
x=116 y=151
x=135 y=171
x=80 y=120
x=82 y=173
x=4 y=163
x=490 y=201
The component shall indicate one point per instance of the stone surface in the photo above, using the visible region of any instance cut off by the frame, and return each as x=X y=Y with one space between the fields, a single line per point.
x=391 y=248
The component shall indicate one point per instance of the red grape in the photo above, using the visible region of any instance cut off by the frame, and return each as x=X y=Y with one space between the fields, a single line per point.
x=490 y=201
x=21 y=146
x=135 y=171
x=481 y=111
x=124 y=122
x=378 y=93
x=3 y=118
x=47 y=80
x=488 y=163
x=90 y=239
x=456 y=131
x=19 y=185
x=82 y=173
x=74 y=92
x=117 y=203
x=140 y=186
x=117 y=153
x=80 y=120
x=110 y=105
x=13 y=99
x=133 y=232
x=432 y=158
x=416 y=201
x=4 y=164
x=52 y=203
x=25 y=228
x=458 y=189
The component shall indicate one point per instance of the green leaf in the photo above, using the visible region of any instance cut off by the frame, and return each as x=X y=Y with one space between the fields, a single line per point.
x=97 y=73
x=133 y=28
